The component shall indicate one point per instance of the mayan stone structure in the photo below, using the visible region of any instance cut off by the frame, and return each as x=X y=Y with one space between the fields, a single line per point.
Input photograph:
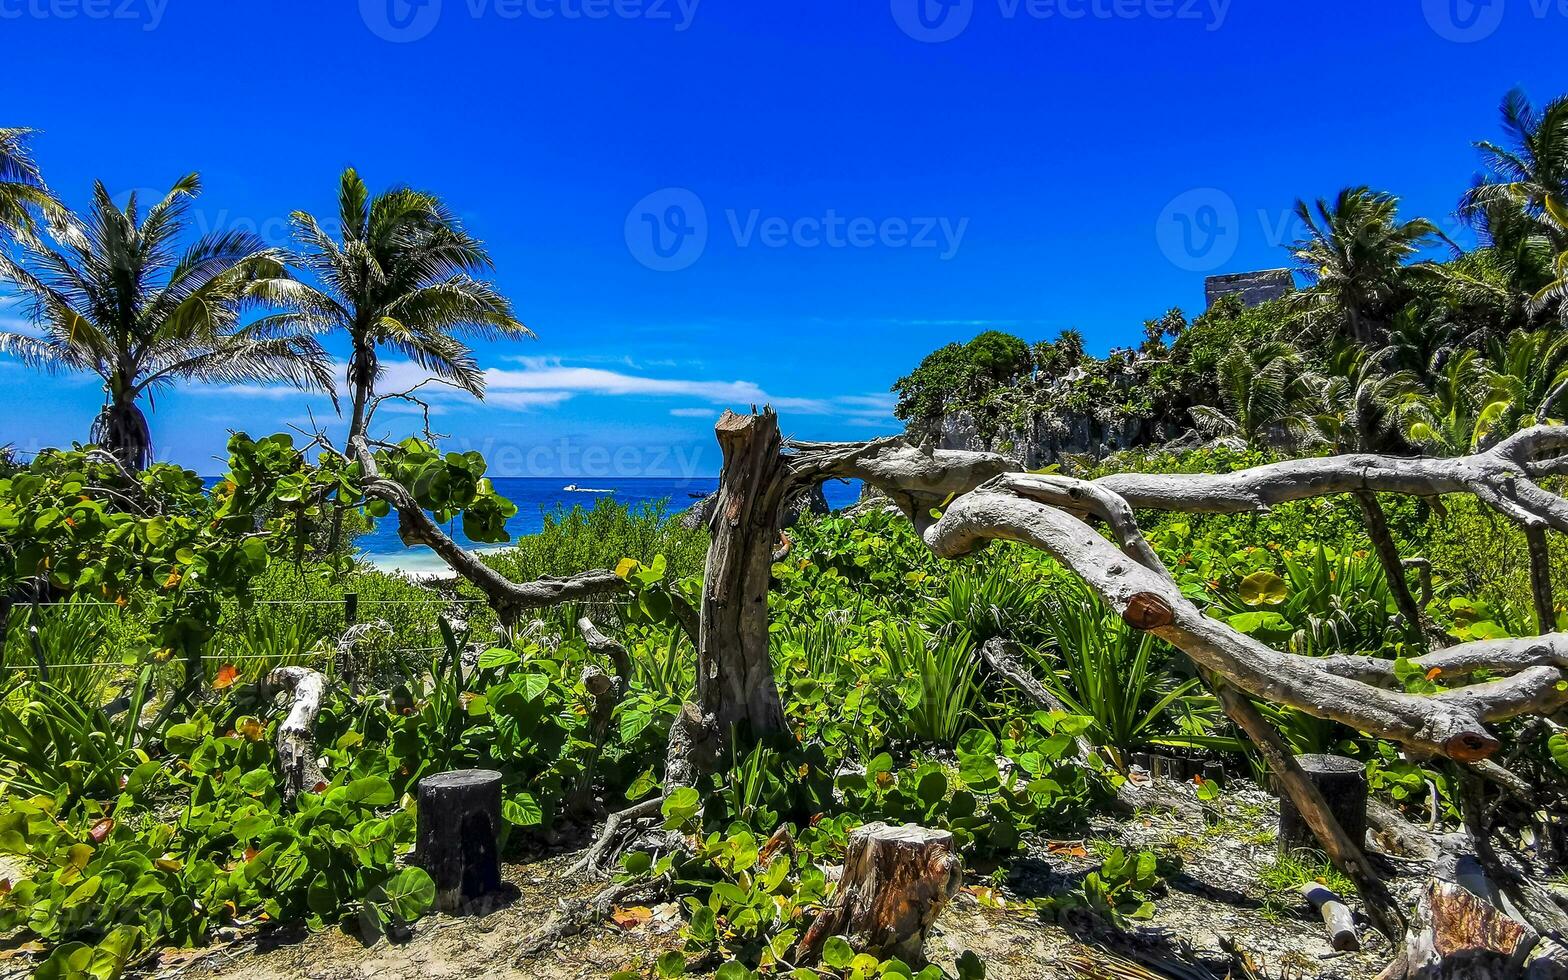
x=1254 y=288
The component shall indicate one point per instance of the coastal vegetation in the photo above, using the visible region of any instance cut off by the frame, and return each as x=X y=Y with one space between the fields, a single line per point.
x=1327 y=524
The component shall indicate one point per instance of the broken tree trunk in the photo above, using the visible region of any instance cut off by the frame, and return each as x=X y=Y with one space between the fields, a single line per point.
x=1343 y=783
x=1458 y=936
x=458 y=836
x=296 y=737
x=734 y=670
x=896 y=882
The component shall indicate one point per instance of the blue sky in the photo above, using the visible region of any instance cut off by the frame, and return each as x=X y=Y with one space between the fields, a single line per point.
x=837 y=188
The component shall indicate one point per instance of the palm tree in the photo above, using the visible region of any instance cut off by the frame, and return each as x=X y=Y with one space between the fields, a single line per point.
x=1450 y=420
x=1530 y=166
x=21 y=187
x=1526 y=376
x=400 y=277
x=1265 y=396
x=1363 y=401
x=1354 y=256
x=1518 y=207
x=114 y=295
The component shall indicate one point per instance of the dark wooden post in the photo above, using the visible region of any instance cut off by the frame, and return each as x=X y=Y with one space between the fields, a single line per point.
x=458 y=835
x=1343 y=783
x=1393 y=569
x=350 y=608
x=734 y=670
x=1541 y=579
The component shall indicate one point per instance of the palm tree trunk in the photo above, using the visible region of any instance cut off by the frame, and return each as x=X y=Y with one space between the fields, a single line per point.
x=361 y=376
x=122 y=429
x=1393 y=568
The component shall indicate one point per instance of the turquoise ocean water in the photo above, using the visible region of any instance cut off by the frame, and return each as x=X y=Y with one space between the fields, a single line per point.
x=537 y=496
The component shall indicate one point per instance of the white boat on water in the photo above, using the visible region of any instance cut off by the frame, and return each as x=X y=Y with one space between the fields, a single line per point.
x=574 y=488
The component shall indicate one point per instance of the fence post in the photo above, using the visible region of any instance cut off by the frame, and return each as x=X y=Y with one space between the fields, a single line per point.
x=351 y=608
x=37 y=643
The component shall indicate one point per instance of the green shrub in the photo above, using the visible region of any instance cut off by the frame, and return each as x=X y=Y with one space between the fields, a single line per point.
x=1114 y=674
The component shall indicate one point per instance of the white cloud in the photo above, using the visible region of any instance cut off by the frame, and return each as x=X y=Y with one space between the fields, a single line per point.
x=546 y=383
x=526 y=399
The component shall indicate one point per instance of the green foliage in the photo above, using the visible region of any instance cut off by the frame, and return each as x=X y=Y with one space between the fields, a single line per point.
x=52 y=744
x=1114 y=674
x=937 y=681
x=961 y=371
x=75 y=641
x=1283 y=877
x=230 y=853
x=448 y=485
x=1122 y=889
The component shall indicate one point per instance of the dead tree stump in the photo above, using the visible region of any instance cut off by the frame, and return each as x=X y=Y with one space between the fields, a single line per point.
x=458 y=836
x=735 y=684
x=896 y=882
x=1343 y=783
x=1457 y=936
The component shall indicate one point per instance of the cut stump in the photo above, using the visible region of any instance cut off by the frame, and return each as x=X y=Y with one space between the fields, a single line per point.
x=458 y=837
x=896 y=882
x=1343 y=783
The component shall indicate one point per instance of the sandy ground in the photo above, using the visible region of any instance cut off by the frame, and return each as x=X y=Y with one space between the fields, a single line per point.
x=1216 y=896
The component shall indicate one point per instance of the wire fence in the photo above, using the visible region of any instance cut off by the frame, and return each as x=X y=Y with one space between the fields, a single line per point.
x=32 y=627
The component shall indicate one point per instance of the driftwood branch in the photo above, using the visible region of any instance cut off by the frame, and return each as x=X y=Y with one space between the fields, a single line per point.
x=296 y=738
x=1451 y=724
x=606 y=692
x=917 y=479
x=509 y=599
x=1503 y=478
x=1337 y=920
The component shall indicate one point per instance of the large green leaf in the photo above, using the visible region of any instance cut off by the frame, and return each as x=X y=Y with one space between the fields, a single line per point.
x=1264 y=589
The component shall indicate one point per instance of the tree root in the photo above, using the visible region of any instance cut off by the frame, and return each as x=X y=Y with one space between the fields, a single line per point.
x=610 y=839
x=573 y=918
